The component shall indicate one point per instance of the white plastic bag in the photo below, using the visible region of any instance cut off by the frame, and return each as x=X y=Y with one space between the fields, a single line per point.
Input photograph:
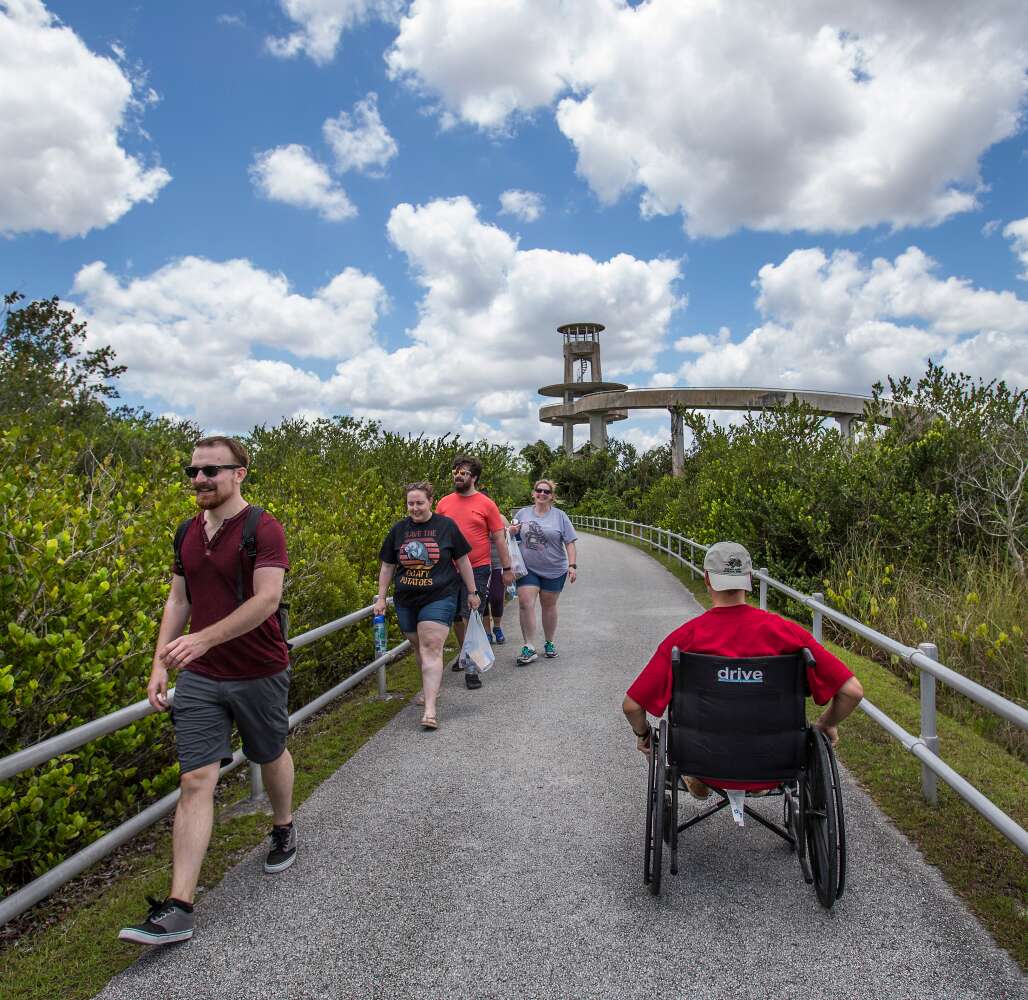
x=517 y=560
x=476 y=653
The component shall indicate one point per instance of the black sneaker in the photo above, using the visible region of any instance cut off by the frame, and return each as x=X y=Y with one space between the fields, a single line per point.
x=283 y=849
x=455 y=665
x=166 y=923
x=472 y=680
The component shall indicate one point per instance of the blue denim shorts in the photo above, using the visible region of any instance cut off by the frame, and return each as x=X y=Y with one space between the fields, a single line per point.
x=441 y=611
x=551 y=584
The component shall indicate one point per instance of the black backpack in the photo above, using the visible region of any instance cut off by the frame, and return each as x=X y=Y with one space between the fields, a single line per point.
x=249 y=546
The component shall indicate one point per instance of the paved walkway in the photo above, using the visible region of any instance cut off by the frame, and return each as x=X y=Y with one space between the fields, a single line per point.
x=501 y=856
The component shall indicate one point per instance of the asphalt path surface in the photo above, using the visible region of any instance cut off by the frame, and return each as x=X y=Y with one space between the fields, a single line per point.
x=501 y=856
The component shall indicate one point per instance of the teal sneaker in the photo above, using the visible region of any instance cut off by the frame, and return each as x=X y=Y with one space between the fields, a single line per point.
x=549 y=650
x=526 y=656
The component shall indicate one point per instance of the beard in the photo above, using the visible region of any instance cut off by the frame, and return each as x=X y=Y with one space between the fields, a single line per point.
x=464 y=487
x=206 y=499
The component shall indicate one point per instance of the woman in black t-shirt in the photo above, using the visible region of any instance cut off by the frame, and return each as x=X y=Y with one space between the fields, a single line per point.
x=429 y=556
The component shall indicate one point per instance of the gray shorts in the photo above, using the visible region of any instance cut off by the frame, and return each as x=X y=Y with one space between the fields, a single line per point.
x=205 y=709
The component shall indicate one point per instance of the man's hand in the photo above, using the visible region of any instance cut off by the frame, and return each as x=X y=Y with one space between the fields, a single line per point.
x=832 y=732
x=157 y=688
x=642 y=743
x=379 y=607
x=508 y=577
x=183 y=650
x=473 y=596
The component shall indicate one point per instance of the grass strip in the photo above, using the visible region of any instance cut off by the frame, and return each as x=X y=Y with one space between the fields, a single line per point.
x=984 y=868
x=76 y=957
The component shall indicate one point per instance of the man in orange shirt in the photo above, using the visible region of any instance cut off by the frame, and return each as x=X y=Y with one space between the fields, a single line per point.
x=479 y=521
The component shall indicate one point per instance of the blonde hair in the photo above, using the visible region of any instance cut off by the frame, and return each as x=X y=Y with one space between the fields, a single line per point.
x=549 y=482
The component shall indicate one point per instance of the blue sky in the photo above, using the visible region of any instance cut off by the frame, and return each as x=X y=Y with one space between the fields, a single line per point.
x=294 y=206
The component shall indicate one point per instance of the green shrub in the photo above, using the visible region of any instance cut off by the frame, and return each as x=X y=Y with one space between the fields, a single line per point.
x=86 y=527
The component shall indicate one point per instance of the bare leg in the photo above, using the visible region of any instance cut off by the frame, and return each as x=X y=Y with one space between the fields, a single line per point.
x=526 y=613
x=194 y=818
x=431 y=638
x=548 y=600
x=278 y=780
x=412 y=638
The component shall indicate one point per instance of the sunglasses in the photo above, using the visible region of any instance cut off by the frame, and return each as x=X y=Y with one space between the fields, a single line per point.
x=209 y=471
x=544 y=490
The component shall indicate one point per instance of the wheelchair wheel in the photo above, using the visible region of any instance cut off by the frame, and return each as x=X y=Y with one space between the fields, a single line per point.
x=840 y=821
x=650 y=801
x=660 y=810
x=820 y=820
x=789 y=811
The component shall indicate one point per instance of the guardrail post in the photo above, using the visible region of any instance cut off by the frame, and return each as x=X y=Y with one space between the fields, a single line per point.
x=256 y=782
x=692 y=559
x=816 y=630
x=763 y=589
x=382 y=695
x=929 y=735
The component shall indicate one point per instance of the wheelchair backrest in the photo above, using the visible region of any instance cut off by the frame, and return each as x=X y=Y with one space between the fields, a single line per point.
x=738 y=717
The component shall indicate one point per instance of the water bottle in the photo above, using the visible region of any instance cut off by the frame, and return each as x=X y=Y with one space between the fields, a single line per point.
x=512 y=592
x=378 y=628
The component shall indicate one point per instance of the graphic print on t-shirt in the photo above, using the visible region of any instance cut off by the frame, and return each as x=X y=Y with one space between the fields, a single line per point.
x=419 y=553
x=533 y=536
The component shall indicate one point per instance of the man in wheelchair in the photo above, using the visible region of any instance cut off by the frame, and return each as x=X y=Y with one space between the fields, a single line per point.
x=733 y=681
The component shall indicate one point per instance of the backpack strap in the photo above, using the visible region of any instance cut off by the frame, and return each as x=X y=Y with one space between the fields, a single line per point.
x=180 y=537
x=249 y=547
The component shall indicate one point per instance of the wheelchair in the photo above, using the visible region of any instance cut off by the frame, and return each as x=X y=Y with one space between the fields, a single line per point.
x=744 y=719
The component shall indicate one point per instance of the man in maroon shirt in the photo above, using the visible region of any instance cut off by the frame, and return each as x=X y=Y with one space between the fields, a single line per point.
x=233 y=667
x=732 y=628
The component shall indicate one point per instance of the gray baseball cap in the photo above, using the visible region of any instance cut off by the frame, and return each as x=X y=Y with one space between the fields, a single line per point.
x=729 y=566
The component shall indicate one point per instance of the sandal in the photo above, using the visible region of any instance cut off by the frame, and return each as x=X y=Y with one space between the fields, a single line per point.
x=429 y=722
x=420 y=699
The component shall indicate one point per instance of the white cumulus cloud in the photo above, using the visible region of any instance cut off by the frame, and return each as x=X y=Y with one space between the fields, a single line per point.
x=486 y=335
x=63 y=110
x=836 y=322
x=196 y=334
x=290 y=174
x=818 y=116
x=320 y=25
x=1017 y=233
x=360 y=141
x=191 y=334
x=524 y=205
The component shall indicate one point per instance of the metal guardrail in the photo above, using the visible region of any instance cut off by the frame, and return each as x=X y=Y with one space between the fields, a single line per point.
x=925 y=658
x=18 y=902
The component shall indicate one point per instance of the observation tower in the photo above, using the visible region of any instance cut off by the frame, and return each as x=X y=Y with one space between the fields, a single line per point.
x=583 y=376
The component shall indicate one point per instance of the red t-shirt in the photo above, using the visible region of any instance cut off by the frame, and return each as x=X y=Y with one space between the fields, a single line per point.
x=211 y=567
x=739 y=630
x=477 y=517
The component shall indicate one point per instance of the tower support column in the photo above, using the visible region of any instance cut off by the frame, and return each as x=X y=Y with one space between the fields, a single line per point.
x=569 y=437
x=597 y=430
x=677 y=443
x=845 y=422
